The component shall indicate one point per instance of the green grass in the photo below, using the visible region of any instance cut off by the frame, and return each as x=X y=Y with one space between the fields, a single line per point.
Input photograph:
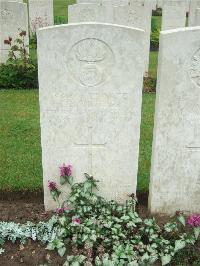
x=153 y=62
x=20 y=152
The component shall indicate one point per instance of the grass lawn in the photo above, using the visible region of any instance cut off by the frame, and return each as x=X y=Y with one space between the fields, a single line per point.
x=20 y=152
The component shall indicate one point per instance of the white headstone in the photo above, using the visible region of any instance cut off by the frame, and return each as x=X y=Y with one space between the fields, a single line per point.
x=197 y=17
x=19 y=1
x=88 y=1
x=13 y=19
x=139 y=16
x=194 y=4
x=174 y=14
x=90 y=104
x=175 y=168
x=85 y=13
x=40 y=14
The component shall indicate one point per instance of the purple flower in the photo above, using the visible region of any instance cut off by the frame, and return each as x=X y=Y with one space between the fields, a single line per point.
x=66 y=170
x=61 y=210
x=194 y=220
x=52 y=186
x=76 y=221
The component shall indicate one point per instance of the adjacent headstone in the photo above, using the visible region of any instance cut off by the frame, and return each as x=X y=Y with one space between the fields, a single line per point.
x=88 y=1
x=40 y=14
x=197 y=17
x=174 y=14
x=194 y=4
x=90 y=104
x=139 y=16
x=175 y=168
x=85 y=13
x=19 y=1
x=13 y=19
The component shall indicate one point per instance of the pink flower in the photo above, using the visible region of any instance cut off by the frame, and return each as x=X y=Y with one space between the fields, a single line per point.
x=52 y=186
x=66 y=170
x=76 y=221
x=61 y=210
x=194 y=220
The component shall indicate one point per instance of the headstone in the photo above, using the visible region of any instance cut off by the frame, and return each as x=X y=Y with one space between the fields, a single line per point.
x=197 y=17
x=174 y=14
x=90 y=104
x=13 y=19
x=19 y=1
x=40 y=14
x=194 y=4
x=88 y=1
x=139 y=16
x=159 y=3
x=175 y=168
x=85 y=13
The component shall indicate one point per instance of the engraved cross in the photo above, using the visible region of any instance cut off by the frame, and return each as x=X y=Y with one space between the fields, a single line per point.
x=90 y=145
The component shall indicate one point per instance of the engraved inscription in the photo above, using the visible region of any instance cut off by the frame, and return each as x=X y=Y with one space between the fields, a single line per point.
x=90 y=145
x=132 y=18
x=90 y=61
x=195 y=68
x=87 y=14
x=7 y=16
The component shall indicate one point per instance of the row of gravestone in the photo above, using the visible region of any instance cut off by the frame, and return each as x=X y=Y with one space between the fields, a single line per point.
x=15 y=16
x=90 y=78
x=133 y=13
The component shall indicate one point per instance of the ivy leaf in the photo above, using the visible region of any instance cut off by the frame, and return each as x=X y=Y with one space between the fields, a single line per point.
x=165 y=259
x=179 y=244
x=62 y=180
x=50 y=246
x=196 y=232
x=181 y=219
x=61 y=251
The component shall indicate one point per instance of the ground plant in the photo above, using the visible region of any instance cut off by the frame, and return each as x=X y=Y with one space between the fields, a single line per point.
x=89 y=230
x=19 y=71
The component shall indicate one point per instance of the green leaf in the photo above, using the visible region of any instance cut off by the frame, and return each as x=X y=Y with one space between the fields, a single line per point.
x=165 y=259
x=196 y=232
x=61 y=251
x=179 y=244
x=50 y=246
x=181 y=219
x=62 y=180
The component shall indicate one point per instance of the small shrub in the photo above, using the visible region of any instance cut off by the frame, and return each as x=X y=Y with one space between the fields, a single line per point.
x=155 y=40
x=60 y=20
x=19 y=72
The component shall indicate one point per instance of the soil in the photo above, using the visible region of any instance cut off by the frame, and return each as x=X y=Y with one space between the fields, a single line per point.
x=23 y=206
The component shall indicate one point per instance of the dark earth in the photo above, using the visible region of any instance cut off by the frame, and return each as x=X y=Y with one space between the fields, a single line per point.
x=28 y=206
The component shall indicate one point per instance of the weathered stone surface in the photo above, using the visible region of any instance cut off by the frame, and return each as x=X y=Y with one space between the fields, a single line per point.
x=88 y=1
x=85 y=13
x=194 y=4
x=137 y=15
x=197 y=17
x=19 y=1
x=90 y=104
x=174 y=14
x=175 y=169
x=40 y=14
x=13 y=18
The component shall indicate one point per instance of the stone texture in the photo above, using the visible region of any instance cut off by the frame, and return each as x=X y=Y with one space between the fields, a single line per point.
x=175 y=168
x=197 y=17
x=88 y=1
x=90 y=104
x=40 y=14
x=19 y=1
x=194 y=4
x=13 y=16
x=85 y=13
x=174 y=14
x=137 y=15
